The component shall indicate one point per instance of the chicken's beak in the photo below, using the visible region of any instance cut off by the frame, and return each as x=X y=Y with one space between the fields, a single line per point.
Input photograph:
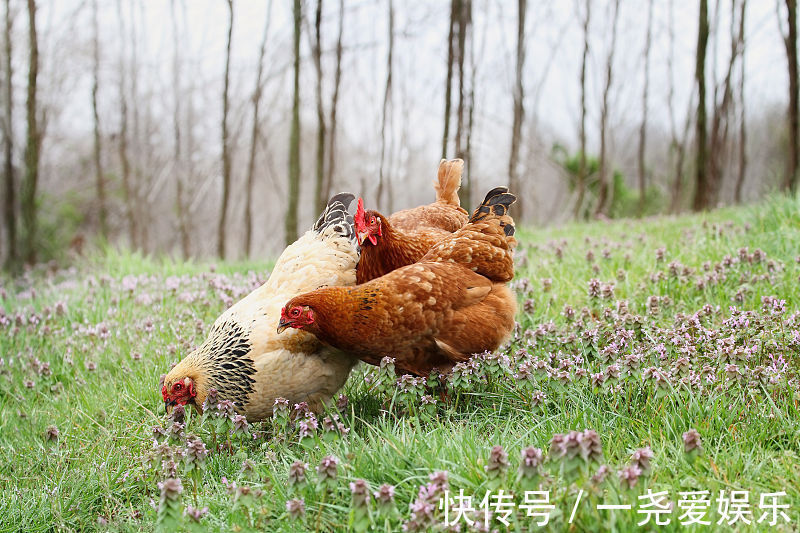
x=168 y=405
x=283 y=324
x=362 y=236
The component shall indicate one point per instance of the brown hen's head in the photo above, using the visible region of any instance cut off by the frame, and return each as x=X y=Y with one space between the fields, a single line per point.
x=295 y=315
x=368 y=224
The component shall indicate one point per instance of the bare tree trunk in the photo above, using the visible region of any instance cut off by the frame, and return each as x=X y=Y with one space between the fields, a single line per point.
x=133 y=230
x=701 y=192
x=519 y=109
x=294 y=137
x=141 y=209
x=178 y=96
x=466 y=197
x=461 y=41
x=464 y=25
x=32 y=144
x=226 y=155
x=718 y=141
x=605 y=189
x=383 y=178
x=192 y=194
x=100 y=185
x=677 y=143
x=790 y=42
x=316 y=53
x=643 y=127
x=581 y=185
x=254 y=136
x=195 y=192
x=12 y=257
x=455 y=9
x=680 y=147
x=742 y=114
x=337 y=78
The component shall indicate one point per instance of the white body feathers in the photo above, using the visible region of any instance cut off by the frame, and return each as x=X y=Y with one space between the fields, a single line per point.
x=245 y=358
x=294 y=364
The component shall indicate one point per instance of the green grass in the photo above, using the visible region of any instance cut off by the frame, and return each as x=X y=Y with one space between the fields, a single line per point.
x=119 y=304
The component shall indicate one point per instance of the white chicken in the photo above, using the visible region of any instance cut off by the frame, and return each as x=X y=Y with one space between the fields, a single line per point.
x=244 y=358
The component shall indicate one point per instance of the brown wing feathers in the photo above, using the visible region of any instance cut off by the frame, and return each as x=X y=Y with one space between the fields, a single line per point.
x=486 y=243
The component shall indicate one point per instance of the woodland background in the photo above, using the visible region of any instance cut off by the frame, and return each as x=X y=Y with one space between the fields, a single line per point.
x=219 y=127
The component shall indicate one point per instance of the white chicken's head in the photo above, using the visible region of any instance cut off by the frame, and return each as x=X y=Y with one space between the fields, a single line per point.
x=178 y=393
x=368 y=225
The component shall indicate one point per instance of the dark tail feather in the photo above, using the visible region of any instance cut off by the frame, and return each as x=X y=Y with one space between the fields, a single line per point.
x=496 y=203
x=336 y=216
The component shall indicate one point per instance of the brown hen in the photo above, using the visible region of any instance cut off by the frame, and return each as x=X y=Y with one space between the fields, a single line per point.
x=403 y=238
x=432 y=314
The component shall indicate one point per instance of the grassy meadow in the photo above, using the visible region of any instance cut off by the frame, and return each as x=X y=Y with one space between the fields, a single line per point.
x=654 y=360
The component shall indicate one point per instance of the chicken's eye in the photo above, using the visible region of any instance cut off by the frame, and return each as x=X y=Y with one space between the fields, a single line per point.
x=372 y=220
x=178 y=386
x=295 y=312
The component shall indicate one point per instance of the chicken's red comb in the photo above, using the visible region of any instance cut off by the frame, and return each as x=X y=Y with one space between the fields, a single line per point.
x=360 y=217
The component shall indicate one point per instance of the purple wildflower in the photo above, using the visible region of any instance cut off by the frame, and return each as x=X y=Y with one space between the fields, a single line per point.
x=195 y=514
x=594 y=288
x=296 y=508
x=641 y=458
x=438 y=481
x=178 y=414
x=359 y=490
x=341 y=402
x=530 y=462
x=691 y=441
x=240 y=424
x=225 y=409
x=498 y=462
x=51 y=434
x=196 y=452
x=280 y=408
x=630 y=475
x=297 y=473
x=600 y=476
x=171 y=489
x=385 y=495
x=328 y=469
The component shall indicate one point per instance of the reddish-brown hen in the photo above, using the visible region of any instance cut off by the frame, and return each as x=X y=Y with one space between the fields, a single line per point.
x=403 y=238
x=431 y=314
